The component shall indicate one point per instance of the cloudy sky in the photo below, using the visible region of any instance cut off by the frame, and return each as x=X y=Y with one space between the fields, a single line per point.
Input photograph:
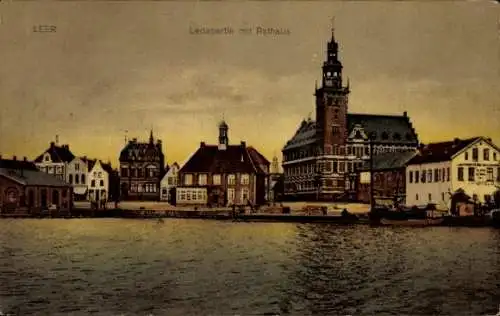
x=112 y=67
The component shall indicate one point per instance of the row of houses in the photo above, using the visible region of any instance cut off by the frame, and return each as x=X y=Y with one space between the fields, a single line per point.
x=433 y=172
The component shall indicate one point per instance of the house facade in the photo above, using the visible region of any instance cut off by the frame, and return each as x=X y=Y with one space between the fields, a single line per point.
x=77 y=176
x=25 y=189
x=223 y=175
x=389 y=178
x=142 y=166
x=100 y=177
x=440 y=169
x=54 y=160
x=169 y=183
x=321 y=159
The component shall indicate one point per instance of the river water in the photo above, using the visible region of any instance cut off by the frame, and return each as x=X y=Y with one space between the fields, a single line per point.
x=203 y=267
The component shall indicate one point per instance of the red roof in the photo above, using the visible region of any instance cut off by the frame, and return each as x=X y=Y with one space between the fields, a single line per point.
x=233 y=159
x=57 y=153
x=442 y=151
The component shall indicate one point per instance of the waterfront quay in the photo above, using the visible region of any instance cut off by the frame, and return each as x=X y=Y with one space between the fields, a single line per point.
x=298 y=212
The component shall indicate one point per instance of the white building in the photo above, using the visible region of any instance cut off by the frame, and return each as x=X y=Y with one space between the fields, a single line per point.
x=99 y=180
x=442 y=168
x=169 y=181
x=54 y=160
x=77 y=176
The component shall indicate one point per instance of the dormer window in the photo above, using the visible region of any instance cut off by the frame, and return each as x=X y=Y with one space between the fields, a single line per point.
x=385 y=136
x=373 y=135
x=396 y=136
x=408 y=136
x=47 y=157
x=328 y=74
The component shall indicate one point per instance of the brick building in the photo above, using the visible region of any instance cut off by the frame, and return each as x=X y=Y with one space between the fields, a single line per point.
x=389 y=181
x=223 y=174
x=25 y=189
x=142 y=165
x=321 y=159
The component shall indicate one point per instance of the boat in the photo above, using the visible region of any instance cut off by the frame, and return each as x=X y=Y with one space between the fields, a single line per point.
x=412 y=222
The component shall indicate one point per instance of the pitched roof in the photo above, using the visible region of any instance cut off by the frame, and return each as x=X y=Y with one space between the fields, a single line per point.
x=258 y=159
x=384 y=128
x=17 y=164
x=235 y=158
x=442 y=151
x=26 y=173
x=305 y=135
x=57 y=153
x=144 y=151
x=388 y=161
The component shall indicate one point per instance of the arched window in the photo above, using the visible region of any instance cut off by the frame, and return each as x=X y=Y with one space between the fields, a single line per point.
x=71 y=178
x=83 y=179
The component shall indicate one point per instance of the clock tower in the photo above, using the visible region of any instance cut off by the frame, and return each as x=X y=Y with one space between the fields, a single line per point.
x=331 y=104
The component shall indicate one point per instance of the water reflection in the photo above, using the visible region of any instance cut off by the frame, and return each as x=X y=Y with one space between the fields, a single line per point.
x=190 y=267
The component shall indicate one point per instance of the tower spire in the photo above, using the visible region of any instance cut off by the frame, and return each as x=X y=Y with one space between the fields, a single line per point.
x=333 y=27
x=151 y=136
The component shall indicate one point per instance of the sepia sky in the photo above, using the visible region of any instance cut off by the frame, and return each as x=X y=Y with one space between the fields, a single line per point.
x=117 y=66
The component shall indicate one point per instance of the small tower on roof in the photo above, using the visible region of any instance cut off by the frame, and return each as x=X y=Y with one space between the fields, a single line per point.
x=223 y=135
x=275 y=165
x=151 y=139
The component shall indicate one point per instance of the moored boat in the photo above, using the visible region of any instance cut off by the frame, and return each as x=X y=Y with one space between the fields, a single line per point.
x=412 y=222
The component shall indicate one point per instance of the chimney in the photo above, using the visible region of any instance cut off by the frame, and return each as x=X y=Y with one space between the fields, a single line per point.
x=488 y=139
x=243 y=144
x=202 y=144
x=134 y=140
x=0 y=157
x=456 y=141
x=14 y=158
x=52 y=144
x=405 y=114
x=25 y=159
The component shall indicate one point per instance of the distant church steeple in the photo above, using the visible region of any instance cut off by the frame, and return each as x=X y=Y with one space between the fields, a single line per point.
x=223 y=135
x=151 y=139
x=275 y=165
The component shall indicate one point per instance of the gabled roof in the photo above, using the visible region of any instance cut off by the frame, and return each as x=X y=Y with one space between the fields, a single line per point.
x=442 y=151
x=258 y=159
x=144 y=151
x=57 y=153
x=384 y=128
x=26 y=173
x=233 y=159
x=390 y=161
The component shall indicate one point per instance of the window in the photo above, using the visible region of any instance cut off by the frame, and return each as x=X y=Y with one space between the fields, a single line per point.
x=471 y=173
x=448 y=173
x=83 y=179
x=164 y=191
x=416 y=196
x=417 y=177
x=244 y=195
x=202 y=179
x=230 y=195
x=466 y=156
x=188 y=179
x=92 y=183
x=429 y=175
x=336 y=130
x=170 y=181
x=70 y=179
x=436 y=175
x=385 y=136
x=245 y=178
x=442 y=196
x=443 y=175
x=423 y=176
x=47 y=157
x=475 y=154
x=460 y=174
x=77 y=167
x=396 y=136
x=101 y=183
x=430 y=197
x=216 y=179
x=99 y=174
x=231 y=179
x=498 y=174
x=489 y=174
x=335 y=167
x=486 y=154
x=495 y=156
x=199 y=195
x=411 y=176
x=124 y=172
x=77 y=179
